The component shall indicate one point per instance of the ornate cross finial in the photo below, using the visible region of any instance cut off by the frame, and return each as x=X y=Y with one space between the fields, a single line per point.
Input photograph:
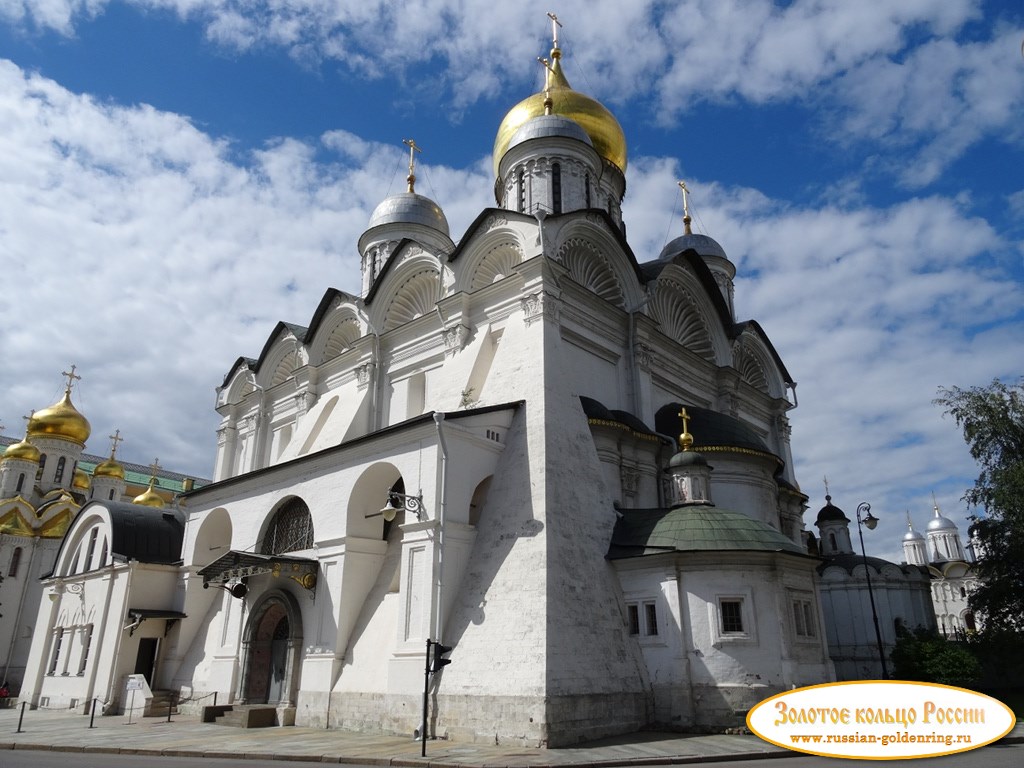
x=413 y=149
x=555 y=24
x=548 y=71
x=114 y=440
x=825 y=478
x=935 y=504
x=686 y=208
x=910 y=525
x=2 y=428
x=71 y=378
x=685 y=439
x=154 y=467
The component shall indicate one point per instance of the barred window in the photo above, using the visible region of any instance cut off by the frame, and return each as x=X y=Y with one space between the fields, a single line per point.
x=290 y=529
x=732 y=616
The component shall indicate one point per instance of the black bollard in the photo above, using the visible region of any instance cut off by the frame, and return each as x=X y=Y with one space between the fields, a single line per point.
x=92 y=713
x=21 y=716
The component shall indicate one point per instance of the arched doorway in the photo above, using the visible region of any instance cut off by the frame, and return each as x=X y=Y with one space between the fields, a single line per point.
x=271 y=645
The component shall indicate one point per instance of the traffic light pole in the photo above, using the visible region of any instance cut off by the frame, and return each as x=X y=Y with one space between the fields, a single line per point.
x=434 y=662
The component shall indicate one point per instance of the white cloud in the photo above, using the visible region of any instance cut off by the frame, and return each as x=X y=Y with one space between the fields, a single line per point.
x=896 y=72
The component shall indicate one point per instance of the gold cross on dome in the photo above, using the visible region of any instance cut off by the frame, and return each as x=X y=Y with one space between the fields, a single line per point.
x=413 y=149
x=114 y=440
x=71 y=377
x=555 y=24
x=685 y=439
x=155 y=466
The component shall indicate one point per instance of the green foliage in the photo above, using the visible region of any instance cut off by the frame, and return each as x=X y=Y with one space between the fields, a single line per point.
x=992 y=420
x=925 y=656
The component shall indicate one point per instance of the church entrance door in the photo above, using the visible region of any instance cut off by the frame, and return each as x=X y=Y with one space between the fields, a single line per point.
x=270 y=645
x=145 y=659
x=278 y=661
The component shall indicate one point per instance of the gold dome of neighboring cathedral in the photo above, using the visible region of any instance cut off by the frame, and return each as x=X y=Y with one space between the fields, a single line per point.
x=23 y=450
x=600 y=124
x=109 y=468
x=62 y=420
x=149 y=497
x=81 y=481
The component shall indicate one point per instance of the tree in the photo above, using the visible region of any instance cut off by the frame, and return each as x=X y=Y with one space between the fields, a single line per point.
x=924 y=655
x=992 y=420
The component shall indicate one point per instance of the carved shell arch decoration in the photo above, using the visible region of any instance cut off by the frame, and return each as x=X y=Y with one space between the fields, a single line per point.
x=750 y=368
x=291 y=359
x=241 y=385
x=588 y=267
x=676 y=310
x=343 y=335
x=414 y=298
x=497 y=263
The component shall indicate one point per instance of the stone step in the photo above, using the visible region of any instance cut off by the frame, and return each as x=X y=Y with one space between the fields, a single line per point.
x=244 y=716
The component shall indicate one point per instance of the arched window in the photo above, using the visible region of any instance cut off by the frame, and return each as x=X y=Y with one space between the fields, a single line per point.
x=42 y=465
x=521 y=189
x=587 y=188
x=290 y=529
x=58 y=473
x=15 y=561
x=832 y=542
x=91 y=550
x=21 y=483
x=111 y=498
x=556 y=188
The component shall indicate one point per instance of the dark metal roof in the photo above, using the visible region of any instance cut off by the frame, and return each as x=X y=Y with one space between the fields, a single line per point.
x=710 y=429
x=698 y=528
x=145 y=534
x=596 y=412
x=831 y=512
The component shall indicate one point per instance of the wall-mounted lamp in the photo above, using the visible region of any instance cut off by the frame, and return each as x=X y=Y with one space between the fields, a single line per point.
x=396 y=502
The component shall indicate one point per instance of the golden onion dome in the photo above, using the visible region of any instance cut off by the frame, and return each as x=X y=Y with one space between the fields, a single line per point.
x=60 y=420
x=149 y=497
x=109 y=468
x=81 y=481
x=600 y=124
x=23 y=450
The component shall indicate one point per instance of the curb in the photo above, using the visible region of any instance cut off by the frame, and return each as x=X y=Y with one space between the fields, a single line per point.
x=406 y=762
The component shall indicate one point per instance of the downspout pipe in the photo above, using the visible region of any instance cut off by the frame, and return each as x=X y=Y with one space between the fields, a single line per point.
x=441 y=511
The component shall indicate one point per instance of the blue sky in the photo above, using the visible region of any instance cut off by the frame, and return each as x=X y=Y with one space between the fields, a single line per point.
x=176 y=176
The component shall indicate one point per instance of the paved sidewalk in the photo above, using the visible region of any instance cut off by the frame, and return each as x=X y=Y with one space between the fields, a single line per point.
x=186 y=736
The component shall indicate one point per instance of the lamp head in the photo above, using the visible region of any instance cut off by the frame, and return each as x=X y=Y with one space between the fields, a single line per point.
x=871 y=521
x=389 y=512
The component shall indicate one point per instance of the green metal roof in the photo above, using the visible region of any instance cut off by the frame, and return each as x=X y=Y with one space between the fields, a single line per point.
x=693 y=528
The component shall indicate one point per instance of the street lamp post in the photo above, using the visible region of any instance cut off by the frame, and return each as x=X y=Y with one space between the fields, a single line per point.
x=865 y=518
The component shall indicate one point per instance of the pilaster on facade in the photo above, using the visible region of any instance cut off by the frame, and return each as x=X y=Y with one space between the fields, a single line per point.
x=541 y=305
x=455 y=338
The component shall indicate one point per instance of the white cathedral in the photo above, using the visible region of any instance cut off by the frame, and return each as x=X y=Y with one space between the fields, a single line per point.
x=569 y=465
